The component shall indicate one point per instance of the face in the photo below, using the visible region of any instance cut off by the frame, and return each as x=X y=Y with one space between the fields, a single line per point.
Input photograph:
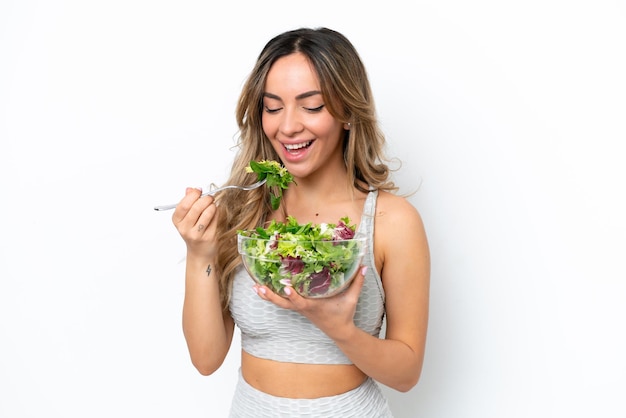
x=296 y=120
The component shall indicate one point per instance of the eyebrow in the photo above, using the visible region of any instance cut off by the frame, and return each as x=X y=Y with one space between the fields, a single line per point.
x=298 y=97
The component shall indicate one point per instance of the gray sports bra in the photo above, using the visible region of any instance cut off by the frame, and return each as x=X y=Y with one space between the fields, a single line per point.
x=270 y=332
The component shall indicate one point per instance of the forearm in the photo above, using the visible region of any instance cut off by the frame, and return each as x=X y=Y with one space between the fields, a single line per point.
x=390 y=362
x=208 y=330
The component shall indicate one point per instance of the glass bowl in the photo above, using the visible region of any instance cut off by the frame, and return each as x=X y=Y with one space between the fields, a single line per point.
x=314 y=269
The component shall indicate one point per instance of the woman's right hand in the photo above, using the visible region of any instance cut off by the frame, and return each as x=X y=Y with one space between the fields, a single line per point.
x=195 y=220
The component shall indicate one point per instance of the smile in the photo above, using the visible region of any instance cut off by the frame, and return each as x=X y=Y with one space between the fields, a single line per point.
x=293 y=147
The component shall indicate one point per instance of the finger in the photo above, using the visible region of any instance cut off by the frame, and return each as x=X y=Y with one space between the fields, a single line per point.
x=185 y=204
x=267 y=294
x=205 y=222
x=295 y=301
x=291 y=295
x=357 y=284
x=193 y=214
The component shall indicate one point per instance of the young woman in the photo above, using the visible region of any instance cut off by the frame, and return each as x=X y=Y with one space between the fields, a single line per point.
x=308 y=104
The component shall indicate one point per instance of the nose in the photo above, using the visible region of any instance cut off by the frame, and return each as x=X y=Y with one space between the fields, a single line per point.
x=290 y=123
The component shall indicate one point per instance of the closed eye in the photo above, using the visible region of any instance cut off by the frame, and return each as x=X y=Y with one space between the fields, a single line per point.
x=315 y=109
x=272 y=110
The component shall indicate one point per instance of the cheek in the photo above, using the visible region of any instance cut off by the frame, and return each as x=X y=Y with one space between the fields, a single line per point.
x=330 y=130
x=269 y=127
x=326 y=126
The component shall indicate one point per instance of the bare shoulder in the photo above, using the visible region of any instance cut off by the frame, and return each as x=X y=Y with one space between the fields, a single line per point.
x=396 y=212
x=399 y=230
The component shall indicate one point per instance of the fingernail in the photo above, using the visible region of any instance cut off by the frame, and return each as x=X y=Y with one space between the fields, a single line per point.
x=363 y=270
x=287 y=290
x=262 y=290
x=255 y=289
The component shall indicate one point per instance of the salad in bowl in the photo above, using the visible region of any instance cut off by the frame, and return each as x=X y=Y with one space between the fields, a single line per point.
x=316 y=260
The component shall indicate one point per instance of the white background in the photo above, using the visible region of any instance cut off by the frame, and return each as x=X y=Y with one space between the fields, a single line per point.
x=509 y=118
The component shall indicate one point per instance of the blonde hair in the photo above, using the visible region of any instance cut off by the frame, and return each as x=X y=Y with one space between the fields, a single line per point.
x=348 y=97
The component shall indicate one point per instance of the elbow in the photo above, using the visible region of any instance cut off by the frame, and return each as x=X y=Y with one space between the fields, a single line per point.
x=207 y=359
x=406 y=385
x=206 y=367
x=205 y=372
x=408 y=381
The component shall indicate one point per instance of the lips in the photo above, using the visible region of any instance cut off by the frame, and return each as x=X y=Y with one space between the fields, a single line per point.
x=298 y=146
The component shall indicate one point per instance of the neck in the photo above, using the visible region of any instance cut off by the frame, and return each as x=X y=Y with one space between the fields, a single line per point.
x=320 y=188
x=322 y=200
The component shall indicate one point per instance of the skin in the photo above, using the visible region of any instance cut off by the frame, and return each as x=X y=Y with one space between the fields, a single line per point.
x=295 y=115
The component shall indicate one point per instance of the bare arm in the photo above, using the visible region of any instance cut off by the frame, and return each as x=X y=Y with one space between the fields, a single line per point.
x=207 y=329
x=397 y=360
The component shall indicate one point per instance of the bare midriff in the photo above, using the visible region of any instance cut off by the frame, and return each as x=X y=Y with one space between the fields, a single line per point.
x=296 y=380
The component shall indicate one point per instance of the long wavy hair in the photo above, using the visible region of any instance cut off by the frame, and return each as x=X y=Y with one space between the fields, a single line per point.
x=347 y=94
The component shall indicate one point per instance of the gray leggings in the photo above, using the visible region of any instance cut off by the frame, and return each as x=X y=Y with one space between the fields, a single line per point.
x=366 y=401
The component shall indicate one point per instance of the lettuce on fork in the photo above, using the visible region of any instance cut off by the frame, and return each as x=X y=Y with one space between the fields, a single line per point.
x=278 y=178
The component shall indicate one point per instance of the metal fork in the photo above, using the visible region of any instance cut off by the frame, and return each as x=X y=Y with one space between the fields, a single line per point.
x=212 y=192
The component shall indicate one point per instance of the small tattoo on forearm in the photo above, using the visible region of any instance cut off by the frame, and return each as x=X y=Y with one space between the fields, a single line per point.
x=208 y=270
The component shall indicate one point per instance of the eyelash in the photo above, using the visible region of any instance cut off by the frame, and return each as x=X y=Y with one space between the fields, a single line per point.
x=312 y=110
x=315 y=109
x=270 y=111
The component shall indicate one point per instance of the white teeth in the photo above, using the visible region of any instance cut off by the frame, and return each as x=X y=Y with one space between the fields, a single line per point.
x=292 y=147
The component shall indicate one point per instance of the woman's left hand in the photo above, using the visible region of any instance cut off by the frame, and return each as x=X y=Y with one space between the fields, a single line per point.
x=333 y=315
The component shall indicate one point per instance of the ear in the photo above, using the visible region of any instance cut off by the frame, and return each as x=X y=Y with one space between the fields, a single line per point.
x=347 y=126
